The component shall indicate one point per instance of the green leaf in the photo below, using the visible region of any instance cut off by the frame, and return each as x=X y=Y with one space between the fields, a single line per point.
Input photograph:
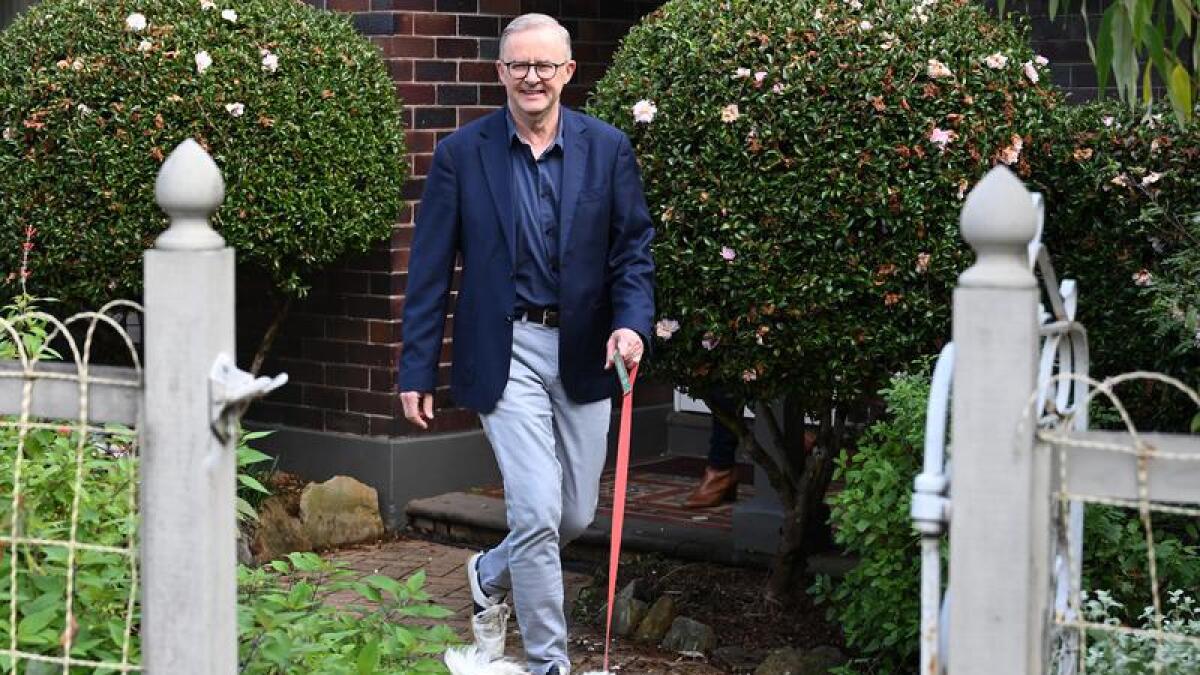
x=368 y=658
x=1179 y=90
x=247 y=455
x=252 y=483
x=1103 y=55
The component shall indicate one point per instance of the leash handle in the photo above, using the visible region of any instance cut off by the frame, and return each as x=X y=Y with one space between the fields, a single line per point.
x=618 y=512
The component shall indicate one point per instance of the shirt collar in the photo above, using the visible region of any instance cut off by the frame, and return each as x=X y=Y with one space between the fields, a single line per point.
x=515 y=137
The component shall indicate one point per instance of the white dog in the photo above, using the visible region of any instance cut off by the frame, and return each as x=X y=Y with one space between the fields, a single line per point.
x=470 y=661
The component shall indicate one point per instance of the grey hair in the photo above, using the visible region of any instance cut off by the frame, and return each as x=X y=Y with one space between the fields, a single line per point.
x=534 y=21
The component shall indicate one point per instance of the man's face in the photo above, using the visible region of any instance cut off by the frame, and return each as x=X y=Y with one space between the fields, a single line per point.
x=532 y=95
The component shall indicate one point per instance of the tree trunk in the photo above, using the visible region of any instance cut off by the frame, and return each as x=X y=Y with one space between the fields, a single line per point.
x=268 y=338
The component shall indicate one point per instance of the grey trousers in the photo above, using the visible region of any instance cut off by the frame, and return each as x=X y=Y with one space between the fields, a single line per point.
x=551 y=453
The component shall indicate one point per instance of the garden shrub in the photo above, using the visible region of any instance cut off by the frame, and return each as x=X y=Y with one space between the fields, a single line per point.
x=295 y=107
x=805 y=163
x=1123 y=199
x=878 y=602
x=286 y=621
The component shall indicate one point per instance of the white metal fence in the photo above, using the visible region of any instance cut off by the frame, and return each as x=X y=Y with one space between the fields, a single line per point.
x=184 y=400
x=1014 y=386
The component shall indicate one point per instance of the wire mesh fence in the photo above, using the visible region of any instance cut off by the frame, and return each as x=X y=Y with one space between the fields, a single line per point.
x=68 y=494
x=1152 y=477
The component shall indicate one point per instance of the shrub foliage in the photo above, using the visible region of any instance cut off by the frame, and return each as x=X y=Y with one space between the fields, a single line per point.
x=297 y=110
x=806 y=162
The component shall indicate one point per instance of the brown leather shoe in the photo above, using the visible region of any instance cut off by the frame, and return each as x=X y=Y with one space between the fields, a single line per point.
x=717 y=487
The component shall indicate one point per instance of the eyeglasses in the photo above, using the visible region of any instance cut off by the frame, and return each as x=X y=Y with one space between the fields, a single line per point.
x=544 y=70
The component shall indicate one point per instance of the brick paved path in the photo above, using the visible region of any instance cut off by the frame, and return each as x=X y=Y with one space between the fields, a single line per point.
x=446 y=583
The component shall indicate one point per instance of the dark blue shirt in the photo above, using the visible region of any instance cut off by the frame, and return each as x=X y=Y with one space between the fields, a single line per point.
x=537 y=193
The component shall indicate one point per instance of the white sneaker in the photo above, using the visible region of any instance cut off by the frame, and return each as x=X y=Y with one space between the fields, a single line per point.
x=489 y=629
x=489 y=616
x=482 y=600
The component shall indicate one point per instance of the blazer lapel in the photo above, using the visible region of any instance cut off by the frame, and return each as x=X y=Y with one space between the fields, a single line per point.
x=493 y=151
x=575 y=160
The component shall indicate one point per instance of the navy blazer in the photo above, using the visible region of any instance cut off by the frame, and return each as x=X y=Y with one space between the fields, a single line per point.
x=607 y=274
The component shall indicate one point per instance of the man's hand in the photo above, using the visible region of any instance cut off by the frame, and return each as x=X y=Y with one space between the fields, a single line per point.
x=628 y=343
x=418 y=407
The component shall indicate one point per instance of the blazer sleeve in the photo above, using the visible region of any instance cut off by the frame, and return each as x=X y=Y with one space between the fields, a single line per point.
x=630 y=265
x=430 y=271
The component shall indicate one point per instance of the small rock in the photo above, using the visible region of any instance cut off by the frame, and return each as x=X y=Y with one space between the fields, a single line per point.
x=737 y=659
x=687 y=635
x=785 y=661
x=657 y=622
x=629 y=591
x=821 y=660
x=628 y=613
x=791 y=661
x=244 y=556
x=278 y=533
x=340 y=511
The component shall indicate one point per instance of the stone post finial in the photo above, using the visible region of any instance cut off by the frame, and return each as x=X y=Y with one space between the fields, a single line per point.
x=189 y=189
x=998 y=220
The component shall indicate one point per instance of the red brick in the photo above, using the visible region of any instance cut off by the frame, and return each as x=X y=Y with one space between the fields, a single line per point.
x=435 y=24
x=353 y=377
x=510 y=7
x=420 y=141
x=421 y=164
x=416 y=94
x=400 y=70
x=467 y=115
x=341 y=328
x=350 y=5
x=384 y=331
x=403 y=24
x=408 y=46
x=477 y=71
x=372 y=403
x=457 y=48
x=383 y=379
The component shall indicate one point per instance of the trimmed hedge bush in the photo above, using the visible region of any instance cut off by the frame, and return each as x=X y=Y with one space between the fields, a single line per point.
x=1123 y=197
x=806 y=162
x=295 y=107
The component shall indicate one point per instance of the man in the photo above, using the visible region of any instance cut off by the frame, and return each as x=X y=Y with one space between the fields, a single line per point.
x=545 y=207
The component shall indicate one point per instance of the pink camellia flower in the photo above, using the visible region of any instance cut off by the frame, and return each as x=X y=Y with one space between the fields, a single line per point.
x=1151 y=178
x=665 y=328
x=865 y=25
x=996 y=61
x=1143 y=278
x=709 y=341
x=270 y=62
x=923 y=262
x=1011 y=154
x=644 y=111
x=1107 y=120
x=936 y=70
x=749 y=375
x=9 y=134
x=1041 y=60
x=203 y=62
x=942 y=137
x=741 y=73
x=730 y=113
x=728 y=254
x=759 y=77
x=1031 y=72
x=778 y=88
x=136 y=22
x=1120 y=180
x=235 y=109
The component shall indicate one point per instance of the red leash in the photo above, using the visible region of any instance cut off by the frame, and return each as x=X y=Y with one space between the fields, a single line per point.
x=618 y=511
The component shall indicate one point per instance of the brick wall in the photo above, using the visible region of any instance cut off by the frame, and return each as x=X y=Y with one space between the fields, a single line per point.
x=340 y=343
